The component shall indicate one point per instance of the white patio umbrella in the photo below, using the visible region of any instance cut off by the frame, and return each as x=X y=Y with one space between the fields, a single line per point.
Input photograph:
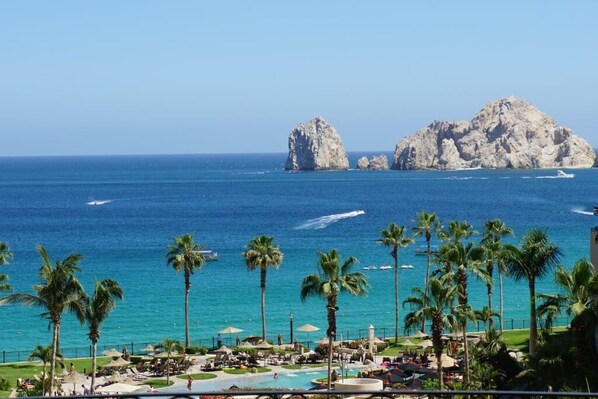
x=308 y=328
x=230 y=330
x=426 y=343
x=112 y=353
x=118 y=387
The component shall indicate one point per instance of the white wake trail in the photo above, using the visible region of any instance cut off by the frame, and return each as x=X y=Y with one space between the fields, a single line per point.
x=325 y=221
x=582 y=211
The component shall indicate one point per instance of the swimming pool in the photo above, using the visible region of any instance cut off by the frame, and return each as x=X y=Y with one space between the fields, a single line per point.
x=294 y=379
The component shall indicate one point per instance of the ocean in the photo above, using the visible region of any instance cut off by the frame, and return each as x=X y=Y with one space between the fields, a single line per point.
x=225 y=201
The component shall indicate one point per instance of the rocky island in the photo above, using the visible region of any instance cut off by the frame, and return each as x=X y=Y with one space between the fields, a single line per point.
x=508 y=133
x=379 y=162
x=315 y=145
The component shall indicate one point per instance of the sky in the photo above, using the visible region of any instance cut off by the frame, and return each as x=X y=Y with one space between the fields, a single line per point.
x=190 y=77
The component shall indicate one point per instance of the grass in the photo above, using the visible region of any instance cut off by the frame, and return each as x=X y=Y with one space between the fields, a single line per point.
x=245 y=371
x=156 y=383
x=198 y=376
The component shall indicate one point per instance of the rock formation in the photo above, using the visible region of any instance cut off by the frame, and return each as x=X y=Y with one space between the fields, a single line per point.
x=508 y=133
x=315 y=145
x=379 y=162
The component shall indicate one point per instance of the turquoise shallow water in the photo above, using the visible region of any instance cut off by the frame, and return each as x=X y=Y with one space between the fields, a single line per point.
x=228 y=199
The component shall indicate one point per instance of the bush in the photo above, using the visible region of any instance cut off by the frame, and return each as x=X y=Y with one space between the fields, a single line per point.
x=4 y=384
x=196 y=350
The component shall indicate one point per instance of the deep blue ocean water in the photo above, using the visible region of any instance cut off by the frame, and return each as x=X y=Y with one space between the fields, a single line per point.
x=226 y=200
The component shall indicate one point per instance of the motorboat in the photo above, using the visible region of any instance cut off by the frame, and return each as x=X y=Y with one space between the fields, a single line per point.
x=369 y=267
x=385 y=267
x=97 y=202
x=208 y=254
x=560 y=173
x=407 y=267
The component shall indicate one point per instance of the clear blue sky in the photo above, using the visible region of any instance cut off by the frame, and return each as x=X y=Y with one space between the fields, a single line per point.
x=163 y=77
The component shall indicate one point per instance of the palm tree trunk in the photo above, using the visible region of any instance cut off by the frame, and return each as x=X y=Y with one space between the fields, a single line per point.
x=396 y=259
x=500 y=310
x=533 y=321
x=44 y=377
x=429 y=253
x=263 y=288
x=168 y=370
x=187 y=288
x=466 y=351
x=331 y=310
x=94 y=347
x=53 y=359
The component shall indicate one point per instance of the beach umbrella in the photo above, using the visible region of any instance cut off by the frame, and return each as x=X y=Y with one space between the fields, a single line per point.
x=307 y=328
x=246 y=345
x=447 y=361
x=148 y=348
x=118 y=387
x=165 y=355
x=407 y=342
x=112 y=353
x=264 y=345
x=114 y=377
x=426 y=344
x=223 y=349
x=120 y=362
x=74 y=378
x=378 y=341
x=230 y=330
x=419 y=334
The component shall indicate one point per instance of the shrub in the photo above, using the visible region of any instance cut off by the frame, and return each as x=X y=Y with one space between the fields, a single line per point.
x=196 y=350
x=4 y=384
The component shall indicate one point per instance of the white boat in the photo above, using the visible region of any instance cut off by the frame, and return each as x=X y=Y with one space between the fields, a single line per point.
x=407 y=267
x=560 y=173
x=385 y=267
x=369 y=268
x=208 y=254
x=96 y=202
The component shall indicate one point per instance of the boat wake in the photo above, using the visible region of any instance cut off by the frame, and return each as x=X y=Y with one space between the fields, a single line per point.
x=325 y=221
x=582 y=211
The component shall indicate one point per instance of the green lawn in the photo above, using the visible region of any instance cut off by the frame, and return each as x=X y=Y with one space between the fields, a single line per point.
x=198 y=376
x=157 y=383
x=245 y=371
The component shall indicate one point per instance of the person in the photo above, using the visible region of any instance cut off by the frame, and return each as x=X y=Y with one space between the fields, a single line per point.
x=85 y=390
x=219 y=340
x=238 y=341
x=189 y=381
x=279 y=339
x=275 y=376
x=360 y=352
x=333 y=376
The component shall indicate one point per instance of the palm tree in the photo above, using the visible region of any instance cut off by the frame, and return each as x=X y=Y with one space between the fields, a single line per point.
x=494 y=231
x=531 y=261
x=5 y=255
x=579 y=287
x=59 y=292
x=466 y=259
x=332 y=279
x=183 y=254
x=262 y=253
x=485 y=316
x=457 y=231
x=97 y=309
x=426 y=223
x=395 y=237
x=170 y=346
x=437 y=309
x=44 y=354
